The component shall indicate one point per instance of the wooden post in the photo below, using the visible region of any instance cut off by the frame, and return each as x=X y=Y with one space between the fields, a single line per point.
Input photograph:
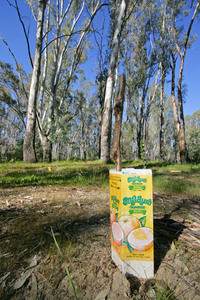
x=118 y=113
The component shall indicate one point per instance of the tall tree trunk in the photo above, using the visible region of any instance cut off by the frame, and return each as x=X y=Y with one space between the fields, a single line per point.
x=47 y=149
x=162 y=114
x=179 y=115
x=118 y=112
x=180 y=129
x=181 y=135
x=107 y=112
x=163 y=74
x=44 y=140
x=29 y=154
x=82 y=141
x=61 y=50
x=140 y=125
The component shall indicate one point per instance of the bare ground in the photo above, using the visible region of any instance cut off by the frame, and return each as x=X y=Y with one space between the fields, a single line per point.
x=31 y=268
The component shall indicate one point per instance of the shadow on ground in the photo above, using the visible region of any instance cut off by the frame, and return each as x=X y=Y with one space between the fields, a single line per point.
x=166 y=231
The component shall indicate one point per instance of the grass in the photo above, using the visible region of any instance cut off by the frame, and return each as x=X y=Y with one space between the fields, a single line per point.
x=59 y=173
x=167 y=178
x=164 y=293
x=66 y=269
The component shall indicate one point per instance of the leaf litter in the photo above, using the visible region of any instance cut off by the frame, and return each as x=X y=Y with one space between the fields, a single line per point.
x=30 y=267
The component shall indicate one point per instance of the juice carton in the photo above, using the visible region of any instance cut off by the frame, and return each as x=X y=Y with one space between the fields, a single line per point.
x=131 y=217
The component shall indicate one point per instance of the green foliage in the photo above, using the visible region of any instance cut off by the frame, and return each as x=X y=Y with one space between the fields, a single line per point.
x=194 y=145
x=16 y=154
x=12 y=111
x=127 y=141
x=64 y=110
x=193 y=136
x=168 y=178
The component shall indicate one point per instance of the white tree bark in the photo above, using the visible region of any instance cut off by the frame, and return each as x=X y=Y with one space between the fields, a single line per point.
x=29 y=139
x=107 y=112
x=61 y=48
x=178 y=109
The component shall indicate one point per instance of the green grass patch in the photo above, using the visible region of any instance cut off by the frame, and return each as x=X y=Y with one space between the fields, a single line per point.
x=176 y=186
x=177 y=179
x=167 y=177
x=58 y=173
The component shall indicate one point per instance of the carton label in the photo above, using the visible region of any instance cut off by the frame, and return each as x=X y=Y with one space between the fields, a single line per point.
x=131 y=216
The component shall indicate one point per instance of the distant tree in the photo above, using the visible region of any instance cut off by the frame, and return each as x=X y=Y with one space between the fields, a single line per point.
x=179 y=43
x=102 y=60
x=142 y=69
x=12 y=110
x=12 y=92
x=192 y=128
x=163 y=58
x=171 y=149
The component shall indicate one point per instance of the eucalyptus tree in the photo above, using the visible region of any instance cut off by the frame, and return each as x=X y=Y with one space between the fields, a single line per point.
x=64 y=20
x=163 y=58
x=72 y=24
x=142 y=68
x=192 y=128
x=107 y=111
x=13 y=101
x=11 y=134
x=67 y=24
x=12 y=111
x=12 y=92
x=152 y=131
x=81 y=125
x=171 y=148
x=152 y=40
x=180 y=42
x=88 y=123
x=102 y=62
x=170 y=136
x=29 y=154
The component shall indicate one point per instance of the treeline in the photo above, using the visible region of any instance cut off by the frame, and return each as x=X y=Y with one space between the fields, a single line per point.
x=58 y=112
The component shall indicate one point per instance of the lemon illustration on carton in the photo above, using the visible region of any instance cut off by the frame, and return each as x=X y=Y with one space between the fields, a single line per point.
x=118 y=234
x=123 y=227
x=128 y=223
x=131 y=232
x=141 y=238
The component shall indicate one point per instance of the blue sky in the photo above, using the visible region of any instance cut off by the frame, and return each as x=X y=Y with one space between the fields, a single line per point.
x=192 y=74
x=11 y=29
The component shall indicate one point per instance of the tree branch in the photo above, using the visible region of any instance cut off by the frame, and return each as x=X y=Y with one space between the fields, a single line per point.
x=26 y=36
x=189 y=28
x=17 y=65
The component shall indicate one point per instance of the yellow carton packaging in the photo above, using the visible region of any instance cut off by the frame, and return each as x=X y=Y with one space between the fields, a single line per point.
x=131 y=217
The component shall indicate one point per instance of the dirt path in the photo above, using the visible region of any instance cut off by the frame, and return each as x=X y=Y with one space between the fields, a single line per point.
x=31 y=268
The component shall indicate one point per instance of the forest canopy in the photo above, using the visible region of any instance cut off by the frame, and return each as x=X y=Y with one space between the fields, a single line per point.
x=59 y=111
